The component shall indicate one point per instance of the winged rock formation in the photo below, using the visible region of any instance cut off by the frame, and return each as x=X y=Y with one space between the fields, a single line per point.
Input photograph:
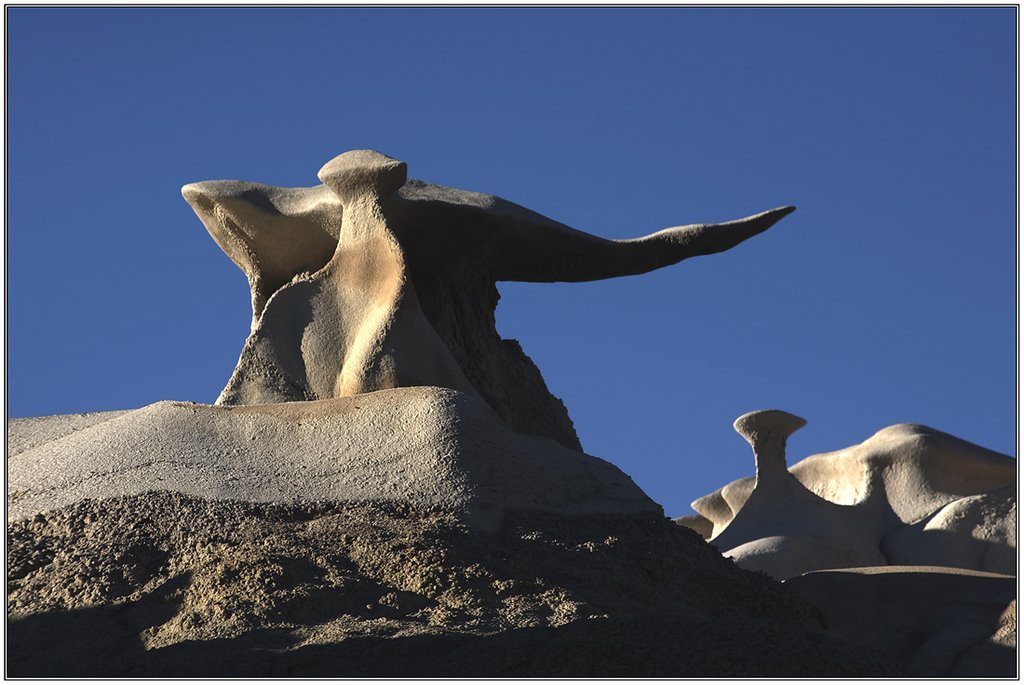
x=372 y=281
x=326 y=519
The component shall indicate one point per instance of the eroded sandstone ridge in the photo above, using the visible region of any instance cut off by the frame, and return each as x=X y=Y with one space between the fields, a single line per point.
x=907 y=542
x=371 y=281
x=907 y=496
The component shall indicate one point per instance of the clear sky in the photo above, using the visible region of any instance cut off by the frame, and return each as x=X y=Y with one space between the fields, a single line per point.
x=888 y=297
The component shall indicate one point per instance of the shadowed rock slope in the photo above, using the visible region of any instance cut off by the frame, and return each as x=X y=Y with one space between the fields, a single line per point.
x=940 y=621
x=164 y=584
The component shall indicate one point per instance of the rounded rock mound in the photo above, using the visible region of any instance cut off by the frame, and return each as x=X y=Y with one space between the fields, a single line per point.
x=430 y=447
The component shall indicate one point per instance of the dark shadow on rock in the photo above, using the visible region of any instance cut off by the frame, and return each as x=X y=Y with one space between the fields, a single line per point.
x=917 y=545
x=938 y=622
x=598 y=648
x=104 y=642
x=370 y=590
x=100 y=641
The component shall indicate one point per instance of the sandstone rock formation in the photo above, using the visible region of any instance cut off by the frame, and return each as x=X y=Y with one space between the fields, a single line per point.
x=428 y=447
x=907 y=541
x=783 y=528
x=909 y=495
x=387 y=488
x=371 y=281
x=403 y=532
x=384 y=486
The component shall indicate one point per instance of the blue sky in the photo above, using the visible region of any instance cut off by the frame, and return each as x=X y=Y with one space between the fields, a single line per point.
x=888 y=297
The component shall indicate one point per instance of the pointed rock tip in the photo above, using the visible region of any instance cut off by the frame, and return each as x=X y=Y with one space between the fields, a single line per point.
x=189 y=191
x=776 y=214
x=219 y=190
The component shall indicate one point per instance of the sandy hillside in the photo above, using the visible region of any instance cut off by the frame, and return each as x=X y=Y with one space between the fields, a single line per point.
x=162 y=584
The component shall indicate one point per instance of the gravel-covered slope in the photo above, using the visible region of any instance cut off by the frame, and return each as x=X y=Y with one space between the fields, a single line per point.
x=166 y=584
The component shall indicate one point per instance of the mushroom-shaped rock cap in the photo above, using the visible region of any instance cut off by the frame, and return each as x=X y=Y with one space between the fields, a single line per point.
x=363 y=172
x=765 y=422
